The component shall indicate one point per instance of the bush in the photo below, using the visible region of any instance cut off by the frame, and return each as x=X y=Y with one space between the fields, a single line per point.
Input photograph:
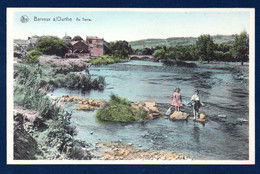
x=106 y=59
x=32 y=56
x=31 y=98
x=98 y=83
x=119 y=110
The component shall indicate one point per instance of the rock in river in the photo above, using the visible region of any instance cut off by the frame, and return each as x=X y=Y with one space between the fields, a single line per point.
x=150 y=107
x=84 y=104
x=178 y=115
x=202 y=118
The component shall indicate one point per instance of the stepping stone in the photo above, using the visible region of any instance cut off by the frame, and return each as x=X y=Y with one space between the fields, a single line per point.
x=178 y=115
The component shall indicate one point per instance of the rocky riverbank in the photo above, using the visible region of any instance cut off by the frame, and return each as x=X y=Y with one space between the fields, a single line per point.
x=121 y=151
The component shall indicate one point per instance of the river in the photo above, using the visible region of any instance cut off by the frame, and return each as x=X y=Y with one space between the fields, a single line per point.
x=223 y=137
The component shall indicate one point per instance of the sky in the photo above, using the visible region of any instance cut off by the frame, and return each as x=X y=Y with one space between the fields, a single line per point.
x=132 y=25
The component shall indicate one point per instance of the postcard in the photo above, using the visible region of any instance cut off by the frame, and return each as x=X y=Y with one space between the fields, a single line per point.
x=131 y=86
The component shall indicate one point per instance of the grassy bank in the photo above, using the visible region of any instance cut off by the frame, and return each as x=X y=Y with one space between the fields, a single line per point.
x=119 y=110
x=52 y=130
x=106 y=59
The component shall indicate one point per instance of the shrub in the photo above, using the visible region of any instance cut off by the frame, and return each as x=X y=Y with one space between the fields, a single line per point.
x=98 y=83
x=119 y=110
x=106 y=59
x=32 y=56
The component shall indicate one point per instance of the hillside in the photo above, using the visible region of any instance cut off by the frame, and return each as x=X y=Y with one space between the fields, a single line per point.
x=173 y=41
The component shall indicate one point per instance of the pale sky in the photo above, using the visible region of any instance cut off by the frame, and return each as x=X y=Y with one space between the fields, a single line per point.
x=133 y=25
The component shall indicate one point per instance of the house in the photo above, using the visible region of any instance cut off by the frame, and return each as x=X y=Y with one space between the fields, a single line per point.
x=96 y=46
x=79 y=47
x=91 y=48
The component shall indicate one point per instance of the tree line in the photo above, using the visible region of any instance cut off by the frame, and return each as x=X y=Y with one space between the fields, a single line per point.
x=205 y=49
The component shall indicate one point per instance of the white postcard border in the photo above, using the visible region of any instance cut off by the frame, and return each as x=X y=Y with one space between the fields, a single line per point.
x=9 y=87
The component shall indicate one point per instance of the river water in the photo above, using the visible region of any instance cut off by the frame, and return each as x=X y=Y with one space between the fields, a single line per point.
x=219 y=138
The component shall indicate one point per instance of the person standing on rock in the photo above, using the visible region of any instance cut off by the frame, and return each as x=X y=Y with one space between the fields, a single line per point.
x=196 y=103
x=176 y=99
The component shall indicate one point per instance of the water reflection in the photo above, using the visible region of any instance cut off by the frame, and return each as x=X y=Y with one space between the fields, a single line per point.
x=196 y=133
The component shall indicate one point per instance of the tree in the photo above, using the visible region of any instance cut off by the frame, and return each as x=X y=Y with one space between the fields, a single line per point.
x=170 y=55
x=146 y=51
x=159 y=54
x=241 y=47
x=52 y=46
x=77 y=38
x=120 y=49
x=205 y=47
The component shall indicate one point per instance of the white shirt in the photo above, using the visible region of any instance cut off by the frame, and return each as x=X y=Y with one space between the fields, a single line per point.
x=195 y=97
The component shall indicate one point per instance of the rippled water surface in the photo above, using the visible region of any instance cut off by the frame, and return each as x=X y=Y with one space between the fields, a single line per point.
x=219 y=138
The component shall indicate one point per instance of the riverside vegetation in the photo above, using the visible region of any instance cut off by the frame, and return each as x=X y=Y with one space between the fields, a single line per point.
x=51 y=131
x=233 y=48
x=106 y=59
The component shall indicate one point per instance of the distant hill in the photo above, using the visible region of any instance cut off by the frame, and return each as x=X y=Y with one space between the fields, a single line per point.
x=174 y=41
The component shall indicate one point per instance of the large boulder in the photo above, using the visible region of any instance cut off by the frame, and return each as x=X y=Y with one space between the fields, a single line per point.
x=178 y=115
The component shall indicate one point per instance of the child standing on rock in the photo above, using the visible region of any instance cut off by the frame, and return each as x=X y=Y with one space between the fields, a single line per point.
x=196 y=103
x=176 y=99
